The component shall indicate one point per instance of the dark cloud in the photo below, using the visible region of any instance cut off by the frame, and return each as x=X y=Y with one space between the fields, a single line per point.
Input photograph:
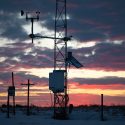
x=17 y=5
x=21 y=77
x=10 y=21
x=11 y=26
x=102 y=56
x=109 y=56
x=16 y=56
x=100 y=81
x=97 y=19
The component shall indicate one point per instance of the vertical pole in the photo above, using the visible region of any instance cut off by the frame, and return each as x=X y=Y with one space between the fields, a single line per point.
x=28 y=94
x=60 y=53
x=14 y=95
x=65 y=58
x=32 y=28
x=14 y=105
x=8 y=107
x=12 y=79
x=55 y=43
x=102 y=107
x=28 y=98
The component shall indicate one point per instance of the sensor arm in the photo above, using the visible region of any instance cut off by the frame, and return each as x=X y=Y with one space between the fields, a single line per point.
x=39 y=36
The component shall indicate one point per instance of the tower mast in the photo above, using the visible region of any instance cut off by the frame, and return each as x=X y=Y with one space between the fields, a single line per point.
x=58 y=78
x=60 y=56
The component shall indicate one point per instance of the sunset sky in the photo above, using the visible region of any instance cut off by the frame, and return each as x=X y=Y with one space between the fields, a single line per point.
x=98 y=30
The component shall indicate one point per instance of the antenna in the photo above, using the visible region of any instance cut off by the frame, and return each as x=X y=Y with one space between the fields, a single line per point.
x=32 y=17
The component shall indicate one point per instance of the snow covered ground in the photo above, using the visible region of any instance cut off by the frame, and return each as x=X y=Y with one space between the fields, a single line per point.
x=80 y=116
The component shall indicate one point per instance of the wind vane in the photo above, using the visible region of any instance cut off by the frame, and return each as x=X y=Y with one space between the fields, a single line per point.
x=31 y=18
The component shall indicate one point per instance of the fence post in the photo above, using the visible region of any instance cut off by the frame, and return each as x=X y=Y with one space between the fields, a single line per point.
x=102 y=118
x=8 y=107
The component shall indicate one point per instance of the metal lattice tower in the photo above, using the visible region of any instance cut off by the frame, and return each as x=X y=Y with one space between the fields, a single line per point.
x=60 y=56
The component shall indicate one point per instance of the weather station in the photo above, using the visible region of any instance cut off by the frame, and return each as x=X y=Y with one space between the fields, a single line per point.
x=34 y=16
x=11 y=93
x=58 y=78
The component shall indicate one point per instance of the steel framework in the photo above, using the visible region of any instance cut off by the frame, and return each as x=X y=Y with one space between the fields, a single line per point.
x=60 y=56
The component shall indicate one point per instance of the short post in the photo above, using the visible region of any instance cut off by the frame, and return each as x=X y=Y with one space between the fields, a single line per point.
x=8 y=107
x=102 y=118
x=28 y=101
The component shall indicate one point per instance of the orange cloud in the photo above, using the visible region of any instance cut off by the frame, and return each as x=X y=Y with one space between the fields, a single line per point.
x=97 y=86
x=90 y=99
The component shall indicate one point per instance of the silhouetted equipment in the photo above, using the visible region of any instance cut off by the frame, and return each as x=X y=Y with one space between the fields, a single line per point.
x=73 y=61
x=58 y=85
x=32 y=17
x=28 y=95
x=11 y=92
x=57 y=80
x=61 y=99
x=22 y=12
x=49 y=37
x=102 y=118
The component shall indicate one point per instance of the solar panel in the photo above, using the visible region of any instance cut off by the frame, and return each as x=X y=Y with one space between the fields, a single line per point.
x=72 y=60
